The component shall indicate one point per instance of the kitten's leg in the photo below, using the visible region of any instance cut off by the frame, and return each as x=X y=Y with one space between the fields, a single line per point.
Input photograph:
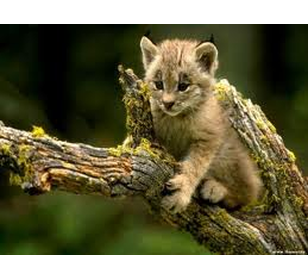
x=213 y=191
x=184 y=183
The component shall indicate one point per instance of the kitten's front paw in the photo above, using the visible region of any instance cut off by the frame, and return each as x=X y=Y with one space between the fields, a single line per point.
x=180 y=198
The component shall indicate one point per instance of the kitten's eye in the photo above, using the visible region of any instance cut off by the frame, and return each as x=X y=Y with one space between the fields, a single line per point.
x=183 y=86
x=159 y=85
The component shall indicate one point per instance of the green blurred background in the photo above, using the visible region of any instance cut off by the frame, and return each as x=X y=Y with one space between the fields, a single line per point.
x=64 y=78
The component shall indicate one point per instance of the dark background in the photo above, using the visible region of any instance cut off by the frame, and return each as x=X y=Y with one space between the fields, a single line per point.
x=64 y=78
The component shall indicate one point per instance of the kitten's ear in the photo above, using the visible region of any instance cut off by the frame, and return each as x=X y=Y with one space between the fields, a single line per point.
x=207 y=57
x=149 y=51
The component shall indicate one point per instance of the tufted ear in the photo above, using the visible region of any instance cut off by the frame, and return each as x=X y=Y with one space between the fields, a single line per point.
x=149 y=51
x=207 y=57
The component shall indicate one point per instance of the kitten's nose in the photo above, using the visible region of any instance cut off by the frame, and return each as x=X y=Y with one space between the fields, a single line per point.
x=168 y=104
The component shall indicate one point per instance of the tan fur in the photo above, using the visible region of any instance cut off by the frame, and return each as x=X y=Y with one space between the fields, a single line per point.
x=196 y=130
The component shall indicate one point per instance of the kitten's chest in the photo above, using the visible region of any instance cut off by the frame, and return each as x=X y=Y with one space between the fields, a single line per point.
x=174 y=134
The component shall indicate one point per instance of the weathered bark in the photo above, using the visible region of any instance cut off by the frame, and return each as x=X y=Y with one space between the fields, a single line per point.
x=278 y=224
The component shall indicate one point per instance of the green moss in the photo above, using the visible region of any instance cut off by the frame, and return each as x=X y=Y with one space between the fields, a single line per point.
x=25 y=173
x=298 y=201
x=279 y=170
x=5 y=149
x=292 y=157
x=144 y=90
x=145 y=148
x=38 y=131
x=221 y=90
x=15 y=179
x=264 y=139
x=138 y=111
x=260 y=205
x=23 y=162
x=260 y=124
x=271 y=127
x=23 y=154
x=264 y=165
x=119 y=150
x=145 y=145
x=222 y=213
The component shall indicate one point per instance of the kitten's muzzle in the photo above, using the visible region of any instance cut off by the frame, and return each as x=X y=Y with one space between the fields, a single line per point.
x=168 y=104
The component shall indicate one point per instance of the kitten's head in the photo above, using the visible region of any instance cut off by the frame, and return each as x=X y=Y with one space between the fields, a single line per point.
x=180 y=73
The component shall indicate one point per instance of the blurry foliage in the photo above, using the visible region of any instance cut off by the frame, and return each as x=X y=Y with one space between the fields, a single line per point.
x=64 y=78
x=69 y=224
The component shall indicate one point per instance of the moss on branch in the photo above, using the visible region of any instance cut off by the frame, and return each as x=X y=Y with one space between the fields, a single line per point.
x=139 y=166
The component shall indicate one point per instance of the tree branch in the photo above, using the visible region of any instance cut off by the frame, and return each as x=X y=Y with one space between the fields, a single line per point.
x=278 y=224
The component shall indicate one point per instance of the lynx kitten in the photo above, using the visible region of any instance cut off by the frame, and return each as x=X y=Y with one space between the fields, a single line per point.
x=192 y=126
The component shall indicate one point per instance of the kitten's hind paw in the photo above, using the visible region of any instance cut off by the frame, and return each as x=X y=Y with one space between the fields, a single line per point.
x=213 y=191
